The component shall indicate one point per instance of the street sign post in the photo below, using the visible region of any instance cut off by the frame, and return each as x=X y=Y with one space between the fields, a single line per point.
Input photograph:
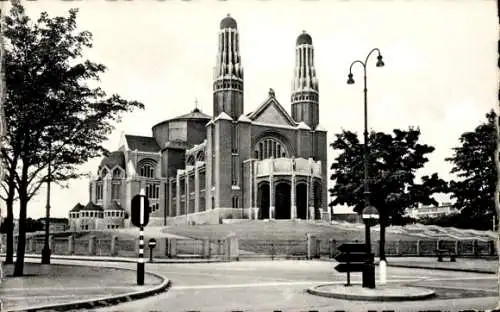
x=352 y=258
x=151 y=245
x=139 y=217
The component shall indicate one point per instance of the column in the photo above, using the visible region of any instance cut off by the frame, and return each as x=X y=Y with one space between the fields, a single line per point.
x=256 y=190
x=311 y=199
x=251 y=186
x=186 y=182
x=196 y=187
x=311 y=189
x=271 y=189
x=170 y=213
x=293 y=206
x=178 y=194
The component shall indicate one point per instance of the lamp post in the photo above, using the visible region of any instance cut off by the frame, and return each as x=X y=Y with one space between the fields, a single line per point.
x=46 y=247
x=368 y=217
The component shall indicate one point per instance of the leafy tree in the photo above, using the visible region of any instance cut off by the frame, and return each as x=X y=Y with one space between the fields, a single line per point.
x=393 y=162
x=474 y=164
x=53 y=113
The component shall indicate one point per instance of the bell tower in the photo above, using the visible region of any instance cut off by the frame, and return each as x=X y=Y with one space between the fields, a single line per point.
x=228 y=72
x=305 y=92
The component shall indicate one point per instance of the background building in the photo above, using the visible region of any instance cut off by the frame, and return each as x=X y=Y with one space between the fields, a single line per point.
x=196 y=168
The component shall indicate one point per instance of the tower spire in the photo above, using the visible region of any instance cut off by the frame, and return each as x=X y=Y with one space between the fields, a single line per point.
x=305 y=91
x=228 y=71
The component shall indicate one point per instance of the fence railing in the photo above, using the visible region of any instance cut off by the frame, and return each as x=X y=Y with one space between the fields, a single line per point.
x=229 y=247
x=423 y=248
x=115 y=246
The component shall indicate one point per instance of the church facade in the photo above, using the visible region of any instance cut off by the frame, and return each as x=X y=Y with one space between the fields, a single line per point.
x=196 y=168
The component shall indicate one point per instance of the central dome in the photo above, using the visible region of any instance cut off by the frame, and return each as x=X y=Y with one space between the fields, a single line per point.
x=228 y=22
x=304 y=38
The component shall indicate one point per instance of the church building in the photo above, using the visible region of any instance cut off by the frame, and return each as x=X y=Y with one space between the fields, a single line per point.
x=201 y=169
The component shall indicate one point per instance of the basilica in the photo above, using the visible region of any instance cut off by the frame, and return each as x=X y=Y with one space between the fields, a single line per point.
x=202 y=169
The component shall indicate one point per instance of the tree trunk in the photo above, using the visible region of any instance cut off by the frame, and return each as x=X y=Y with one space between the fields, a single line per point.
x=21 y=241
x=9 y=226
x=9 y=222
x=23 y=204
x=382 y=239
x=497 y=192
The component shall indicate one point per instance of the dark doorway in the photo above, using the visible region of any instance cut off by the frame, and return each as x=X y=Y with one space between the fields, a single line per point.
x=283 y=204
x=317 y=200
x=301 y=199
x=263 y=200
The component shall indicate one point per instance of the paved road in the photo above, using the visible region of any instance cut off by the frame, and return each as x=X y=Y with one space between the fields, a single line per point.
x=275 y=285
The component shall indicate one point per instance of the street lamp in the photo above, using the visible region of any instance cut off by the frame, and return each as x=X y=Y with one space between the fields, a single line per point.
x=366 y=192
x=46 y=247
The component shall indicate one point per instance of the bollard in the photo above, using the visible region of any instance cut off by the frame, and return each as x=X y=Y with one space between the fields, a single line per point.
x=383 y=272
x=151 y=245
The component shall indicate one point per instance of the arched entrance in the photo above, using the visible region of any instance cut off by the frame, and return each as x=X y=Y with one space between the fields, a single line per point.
x=301 y=200
x=282 y=202
x=263 y=200
x=317 y=200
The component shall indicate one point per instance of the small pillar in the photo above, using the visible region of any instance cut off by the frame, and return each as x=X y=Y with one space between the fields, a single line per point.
x=162 y=247
x=51 y=243
x=30 y=244
x=311 y=246
x=172 y=247
x=418 y=247
x=231 y=250
x=113 y=245
x=71 y=245
x=206 y=248
x=92 y=243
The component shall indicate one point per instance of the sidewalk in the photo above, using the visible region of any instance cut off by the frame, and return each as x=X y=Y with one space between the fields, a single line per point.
x=461 y=264
x=73 y=287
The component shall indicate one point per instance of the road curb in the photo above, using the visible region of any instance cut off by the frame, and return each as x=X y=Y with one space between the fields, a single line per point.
x=350 y=296
x=439 y=268
x=410 y=266
x=124 y=260
x=105 y=301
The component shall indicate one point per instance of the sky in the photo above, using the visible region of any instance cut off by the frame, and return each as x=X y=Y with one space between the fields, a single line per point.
x=440 y=64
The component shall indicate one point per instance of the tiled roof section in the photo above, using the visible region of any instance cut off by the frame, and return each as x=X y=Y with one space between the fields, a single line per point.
x=93 y=207
x=142 y=143
x=115 y=206
x=77 y=208
x=115 y=158
x=195 y=114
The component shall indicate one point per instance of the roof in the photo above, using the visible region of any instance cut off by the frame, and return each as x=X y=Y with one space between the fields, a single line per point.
x=115 y=206
x=113 y=159
x=228 y=22
x=77 y=208
x=91 y=206
x=142 y=143
x=223 y=116
x=304 y=38
x=303 y=125
x=244 y=118
x=272 y=103
x=194 y=114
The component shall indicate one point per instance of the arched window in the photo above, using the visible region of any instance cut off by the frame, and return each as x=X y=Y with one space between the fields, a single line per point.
x=117 y=173
x=147 y=168
x=200 y=156
x=190 y=160
x=104 y=172
x=270 y=147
